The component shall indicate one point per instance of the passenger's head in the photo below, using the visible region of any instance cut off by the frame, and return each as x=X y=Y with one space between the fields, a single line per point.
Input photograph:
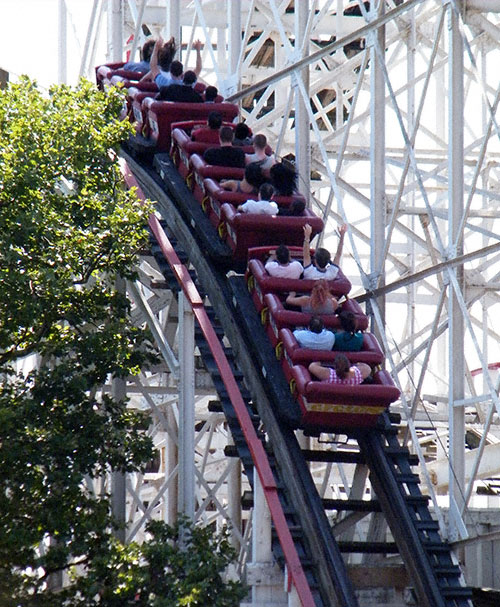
x=226 y=135
x=211 y=93
x=316 y=324
x=341 y=365
x=166 y=55
x=319 y=294
x=322 y=257
x=284 y=179
x=241 y=131
x=260 y=142
x=297 y=207
x=189 y=78
x=348 y=321
x=266 y=191
x=176 y=69
x=282 y=254
x=147 y=49
x=254 y=175
x=215 y=120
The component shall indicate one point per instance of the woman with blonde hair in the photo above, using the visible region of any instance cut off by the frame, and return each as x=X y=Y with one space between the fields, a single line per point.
x=321 y=301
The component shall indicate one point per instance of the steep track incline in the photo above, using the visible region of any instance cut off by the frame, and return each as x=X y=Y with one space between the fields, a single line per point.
x=330 y=577
x=437 y=580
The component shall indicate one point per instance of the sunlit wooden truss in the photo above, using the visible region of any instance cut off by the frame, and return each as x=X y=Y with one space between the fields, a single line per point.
x=391 y=115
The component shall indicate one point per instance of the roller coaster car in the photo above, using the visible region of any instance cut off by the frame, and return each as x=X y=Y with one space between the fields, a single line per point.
x=114 y=74
x=122 y=81
x=161 y=115
x=206 y=136
x=275 y=316
x=337 y=406
x=138 y=113
x=215 y=196
x=259 y=282
x=106 y=71
x=135 y=95
x=192 y=125
x=183 y=148
x=199 y=170
x=292 y=354
x=243 y=231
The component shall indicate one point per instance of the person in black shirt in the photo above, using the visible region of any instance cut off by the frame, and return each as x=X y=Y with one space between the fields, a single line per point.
x=242 y=135
x=296 y=209
x=226 y=155
x=211 y=94
x=182 y=92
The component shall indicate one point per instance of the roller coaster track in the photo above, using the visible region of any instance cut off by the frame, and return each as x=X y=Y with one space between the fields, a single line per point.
x=304 y=542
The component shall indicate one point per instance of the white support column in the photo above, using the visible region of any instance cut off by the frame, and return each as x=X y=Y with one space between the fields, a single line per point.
x=62 y=64
x=118 y=479
x=88 y=38
x=221 y=49
x=377 y=156
x=186 y=408
x=261 y=536
x=339 y=93
x=302 y=127
x=138 y=31
x=173 y=21
x=356 y=492
x=440 y=83
x=172 y=460
x=234 y=40
x=485 y=184
x=456 y=324
x=412 y=291
x=97 y=34
x=293 y=598
x=262 y=576
x=234 y=501
x=115 y=29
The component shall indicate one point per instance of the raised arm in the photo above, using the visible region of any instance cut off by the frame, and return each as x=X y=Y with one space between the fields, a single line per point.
x=338 y=254
x=153 y=64
x=154 y=69
x=197 y=48
x=306 y=248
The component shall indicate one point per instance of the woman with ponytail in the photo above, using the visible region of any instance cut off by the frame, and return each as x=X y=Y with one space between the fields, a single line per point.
x=349 y=339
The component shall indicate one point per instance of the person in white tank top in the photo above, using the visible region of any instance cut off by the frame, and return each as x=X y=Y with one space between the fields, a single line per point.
x=280 y=266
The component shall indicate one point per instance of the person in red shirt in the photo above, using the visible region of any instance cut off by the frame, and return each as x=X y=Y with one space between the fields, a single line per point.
x=209 y=133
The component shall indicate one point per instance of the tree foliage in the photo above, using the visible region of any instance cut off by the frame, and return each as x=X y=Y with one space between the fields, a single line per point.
x=181 y=565
x=68 y=230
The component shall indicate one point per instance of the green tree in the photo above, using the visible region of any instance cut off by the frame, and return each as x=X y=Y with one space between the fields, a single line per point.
x=68 y=230
x=180 y=566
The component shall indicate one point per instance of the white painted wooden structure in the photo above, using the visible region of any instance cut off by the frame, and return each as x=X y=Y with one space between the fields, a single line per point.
x=395 y=112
